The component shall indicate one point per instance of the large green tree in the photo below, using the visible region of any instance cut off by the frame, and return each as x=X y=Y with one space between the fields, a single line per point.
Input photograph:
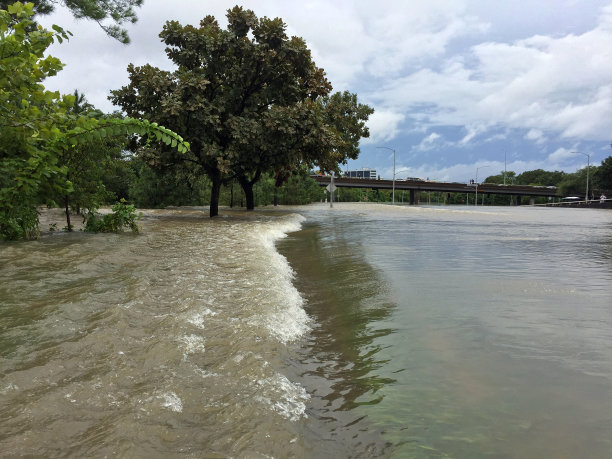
x=109 y=14
x=249 y=100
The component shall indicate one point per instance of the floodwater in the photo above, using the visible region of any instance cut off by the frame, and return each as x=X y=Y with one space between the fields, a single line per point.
x=357 y=331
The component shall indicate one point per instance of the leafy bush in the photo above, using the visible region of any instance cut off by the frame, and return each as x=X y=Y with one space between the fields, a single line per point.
x=123 y=216
x=17 y=223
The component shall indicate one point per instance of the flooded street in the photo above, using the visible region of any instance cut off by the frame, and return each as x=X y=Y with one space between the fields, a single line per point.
x=363 y=330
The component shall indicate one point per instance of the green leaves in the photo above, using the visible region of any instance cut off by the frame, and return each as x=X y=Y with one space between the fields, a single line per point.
x=29 y=120
x=123 y=216
x=43 y=137
x=91 y=129
x=250 y=100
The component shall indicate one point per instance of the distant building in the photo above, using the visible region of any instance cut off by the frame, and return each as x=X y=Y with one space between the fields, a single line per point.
x=364 y=173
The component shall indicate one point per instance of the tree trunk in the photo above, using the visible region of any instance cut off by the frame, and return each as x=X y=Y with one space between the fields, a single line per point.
x=215 y=194
x=247 y=187
x=67 y=207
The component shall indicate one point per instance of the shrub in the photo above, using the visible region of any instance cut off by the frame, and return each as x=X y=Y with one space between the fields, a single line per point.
x=123 y=216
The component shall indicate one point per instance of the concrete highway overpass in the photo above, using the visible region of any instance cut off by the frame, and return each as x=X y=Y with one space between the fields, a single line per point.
x=416 y=186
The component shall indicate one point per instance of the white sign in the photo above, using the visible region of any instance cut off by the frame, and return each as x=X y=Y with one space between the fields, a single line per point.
x=331 y=188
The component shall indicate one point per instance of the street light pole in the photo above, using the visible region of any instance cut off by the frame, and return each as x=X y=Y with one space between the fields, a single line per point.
x=393 y=192
x=586 y=198
x=476 y=183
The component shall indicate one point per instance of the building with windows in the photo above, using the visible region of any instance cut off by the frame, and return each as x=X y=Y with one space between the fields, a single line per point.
x=365 y=173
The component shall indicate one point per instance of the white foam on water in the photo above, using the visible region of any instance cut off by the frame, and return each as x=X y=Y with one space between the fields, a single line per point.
x=193 y=344
x=171 y=401
x=281 y=305
x=198 y=318
x=284 y=397
x=9 y=388
x=205 y=374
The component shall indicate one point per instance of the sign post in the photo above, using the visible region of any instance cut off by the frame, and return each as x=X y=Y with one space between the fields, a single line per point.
x=331 y=188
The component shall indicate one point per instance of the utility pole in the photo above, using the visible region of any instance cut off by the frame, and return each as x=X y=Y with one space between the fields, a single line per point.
x=393 y=193
x=504 y=168
x=586 y=198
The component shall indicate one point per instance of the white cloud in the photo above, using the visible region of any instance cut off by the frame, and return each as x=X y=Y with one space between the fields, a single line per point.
x=539 y=83
x=536 y=135
x=472 y=132
x=561 y=155
x=429 y=142
x=383 y=126
x=350 y=40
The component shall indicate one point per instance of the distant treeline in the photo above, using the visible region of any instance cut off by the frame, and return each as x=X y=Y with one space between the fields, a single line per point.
x=568 y=184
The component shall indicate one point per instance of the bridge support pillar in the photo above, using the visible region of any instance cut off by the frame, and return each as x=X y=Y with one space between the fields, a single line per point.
x=531 y=200
x=414 y=197
x=518 y=199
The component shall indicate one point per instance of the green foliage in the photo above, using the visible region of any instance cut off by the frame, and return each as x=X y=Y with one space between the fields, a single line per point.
x=151 y=188
x=123 y=216
x=346 y=118
x=42 y=139
x=19 y=222
x=250 y=100
x=540 y=177
x=602 y=176
x=29 y=120
x=510 y=178
x=118 y=12
x=299 y=188
x=575 y=184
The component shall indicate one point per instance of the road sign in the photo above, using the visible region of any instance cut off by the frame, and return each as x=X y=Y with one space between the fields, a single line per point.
x=331 y=187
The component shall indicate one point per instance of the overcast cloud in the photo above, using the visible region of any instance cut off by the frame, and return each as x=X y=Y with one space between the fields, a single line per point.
x=456 y=84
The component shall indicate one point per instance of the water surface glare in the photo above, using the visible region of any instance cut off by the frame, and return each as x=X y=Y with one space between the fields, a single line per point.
x=370 y=331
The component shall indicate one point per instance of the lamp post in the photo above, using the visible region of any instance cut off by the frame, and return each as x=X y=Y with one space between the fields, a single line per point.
x=586 y=198
x=476 y=183
x=393 y=192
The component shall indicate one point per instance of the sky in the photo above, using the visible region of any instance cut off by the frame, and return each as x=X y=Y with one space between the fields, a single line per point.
x=461 y=89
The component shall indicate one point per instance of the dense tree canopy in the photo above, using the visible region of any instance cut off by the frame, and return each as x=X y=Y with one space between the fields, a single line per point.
x=118 y=12
x=38 y=128
x=249 y=99
x=602 y=177
x=540 y=177
x=507 y=177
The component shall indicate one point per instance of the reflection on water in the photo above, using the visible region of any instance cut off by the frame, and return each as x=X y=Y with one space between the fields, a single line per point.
x=498 y=341
x=341 y=364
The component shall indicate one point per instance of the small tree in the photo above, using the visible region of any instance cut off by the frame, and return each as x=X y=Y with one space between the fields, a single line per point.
x=37 y=128
x=29 y=116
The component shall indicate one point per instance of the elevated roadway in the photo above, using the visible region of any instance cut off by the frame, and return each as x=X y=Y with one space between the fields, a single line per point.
x=416 y=186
